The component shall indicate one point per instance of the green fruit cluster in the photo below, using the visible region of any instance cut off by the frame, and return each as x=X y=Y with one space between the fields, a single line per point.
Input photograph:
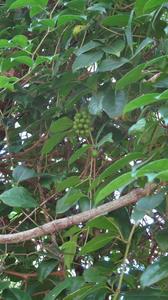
x=82 y=124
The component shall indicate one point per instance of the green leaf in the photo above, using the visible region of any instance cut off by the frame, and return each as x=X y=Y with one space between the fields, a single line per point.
x=23 y=3
x=4 y=81
x=20 y=40
x=150 y=202
x=132 y=76
x=106 y=139
x=61 y=124
x=64 y=19
x=53 y=141
x=139 y=7
x=97 y=7
x=137 y=73
x=97 y=291
x=4 y=43
x=21 y=173
x=113 y=104
x=116 y=48
x=98 y=273
x=155 y=272
x=69 y=249
x=150 y=5
x=18 y=197
x=76 y=5
x=68 y=200
x=25 y=60
x=105 y=223
x=141 y=101
x=137 y=215
x=120 y=163
x=58 y=289
x=96 y=104
x=4 y=285
x=142 y=45
x=116 y=166
x=87 y=47
x=153 y=167
x=86 y=60
x=162 y=175
x=128 y=31
x=163 y=95
x=163 y=111
x=96 y=243
x=147 y=294
x=115 y=184
x=67 y=183
x=45 y=268
x=78 y=153
x=138 y=127
x=162 y=239
x=108 y=101
x=16 y=294
x=111 y=64
x=42 y=59
x=116 y=20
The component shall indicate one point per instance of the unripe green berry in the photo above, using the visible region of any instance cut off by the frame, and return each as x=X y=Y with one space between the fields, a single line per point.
x=95 y=153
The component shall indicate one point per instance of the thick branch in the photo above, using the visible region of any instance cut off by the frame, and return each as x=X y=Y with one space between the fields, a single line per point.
x=63 y=223
x=26 y=276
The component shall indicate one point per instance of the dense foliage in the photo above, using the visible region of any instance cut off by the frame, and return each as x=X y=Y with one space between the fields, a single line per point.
x=83 y=121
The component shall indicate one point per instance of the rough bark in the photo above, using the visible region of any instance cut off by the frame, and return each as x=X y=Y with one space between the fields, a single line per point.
x=59 y=224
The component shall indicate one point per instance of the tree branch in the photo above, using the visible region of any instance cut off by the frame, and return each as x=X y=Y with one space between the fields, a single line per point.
x=63 y=223
x=26 y=276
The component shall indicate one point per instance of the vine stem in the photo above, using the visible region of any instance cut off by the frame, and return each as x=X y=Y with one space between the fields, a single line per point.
x=124 y=262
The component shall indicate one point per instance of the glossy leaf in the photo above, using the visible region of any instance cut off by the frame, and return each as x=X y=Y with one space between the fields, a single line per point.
x=111 y=64
x=67 y=201
x=162 y=239
x=106 y=139
x=150 y=202
x=140 y=102
x=86 y=60
x=155 y=272
x=26 y=60
x=99 y=291
x=60 y=125
x=67 y=183
x=138 y=127
x=115 y=184
x=52 y=295
x=78 y=153
x=153 y=167
x=21 y=173
x=147 y=294
x=152 y=4
x=96 y=243
x=23 y=3
x=20 y=40
x=87 y=47
x=52 y=142
x=18 y=197
x=16 y=294
x=116 y=20
x=69 y=249
x=64 y=19
x=45 y=268
x=132 y=76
